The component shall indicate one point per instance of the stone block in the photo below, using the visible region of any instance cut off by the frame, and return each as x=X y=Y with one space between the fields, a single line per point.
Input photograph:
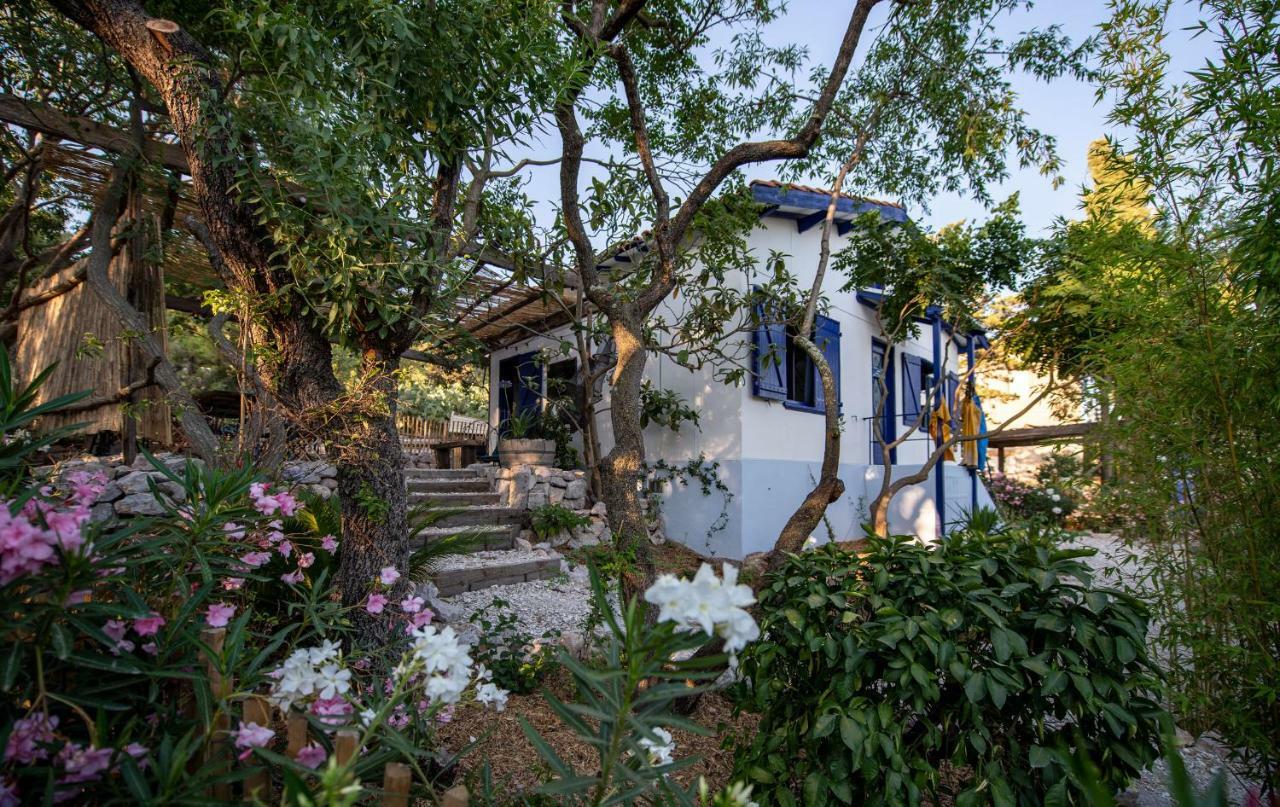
x=558 y=481
x=101 y=512
x=135 y=482
x=598 y=509
x=555 y=495
x=577 y=489
x=138 y=504
x=537 y=498
x=110 y=492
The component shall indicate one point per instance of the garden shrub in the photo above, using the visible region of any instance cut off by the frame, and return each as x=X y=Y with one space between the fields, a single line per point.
x=517 y=660
x=104 y=690
x=1022 y=501
x=911 y=671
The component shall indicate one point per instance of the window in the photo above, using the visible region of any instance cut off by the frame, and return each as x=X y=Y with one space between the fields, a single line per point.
x=917 y=386
x=782 y=371
x=882 y=366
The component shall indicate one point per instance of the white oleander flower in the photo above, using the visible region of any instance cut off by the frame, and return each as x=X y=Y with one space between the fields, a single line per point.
x=492 y=695
x=659 y=752
x=333 y=681
x=1057 y=498
x=1057 y=511
x=707 y=603
x=739 y=795
x=809 y=543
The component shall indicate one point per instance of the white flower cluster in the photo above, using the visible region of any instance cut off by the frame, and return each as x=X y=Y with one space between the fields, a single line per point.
x=708 y=604
x=311 y=671
x=659 y=752
x=439 y=656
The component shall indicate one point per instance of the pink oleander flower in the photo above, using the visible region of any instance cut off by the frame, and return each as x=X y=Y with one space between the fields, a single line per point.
x=122 y=646
x=332 y=711
x=86 y=486
x=9 y=796
x=305 y=560
x=83 y=764
x=418 y=620
x=114 y=629
x=151 y=649
x=376 y=603
x=234 y=531
x=284 y=548
x=294 y=577
x=233 y=584
x=250 y=736
x=311 y=756
x=25 y=549
x=412 y=605
x=139 y=752
x=148 y=625
x=388 y=576
x=329 y=543
x=287 y=504
x=66 y=526
x=255 y=559
x=78 y=597
x=219 y=614
x=27 y=735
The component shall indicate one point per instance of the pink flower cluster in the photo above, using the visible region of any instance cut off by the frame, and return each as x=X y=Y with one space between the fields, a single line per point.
x=268 y=503
x=29 y=540
x=30 y=740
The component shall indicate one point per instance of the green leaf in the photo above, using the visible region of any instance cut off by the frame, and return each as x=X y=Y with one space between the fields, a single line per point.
x=1040 y=757
x=975 y=687
x=852 y=735
x=813 y=788
x=824 y=725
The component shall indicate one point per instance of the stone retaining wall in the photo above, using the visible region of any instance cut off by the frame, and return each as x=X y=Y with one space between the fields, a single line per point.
x=128 y=489
x=529 y=487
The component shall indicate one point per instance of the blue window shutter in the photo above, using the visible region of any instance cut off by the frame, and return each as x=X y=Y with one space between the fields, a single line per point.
x=826 y=335
x=769 y=376
x=910 y=389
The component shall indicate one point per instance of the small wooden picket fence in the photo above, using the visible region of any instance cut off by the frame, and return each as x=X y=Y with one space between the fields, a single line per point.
x=396 y=776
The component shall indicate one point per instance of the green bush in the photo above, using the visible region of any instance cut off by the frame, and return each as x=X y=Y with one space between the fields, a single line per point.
x=917 y=671
x=550 y=519
x=516 y=659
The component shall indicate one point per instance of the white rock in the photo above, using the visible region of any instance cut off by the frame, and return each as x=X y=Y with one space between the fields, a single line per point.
x=523 y=543
x=536 y=499
x=330 y=483
x=556 y=495
x=559 y=481
x=599 y=509
x=577 y=489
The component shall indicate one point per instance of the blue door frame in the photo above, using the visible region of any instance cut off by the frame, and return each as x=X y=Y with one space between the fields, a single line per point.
x=888 y=423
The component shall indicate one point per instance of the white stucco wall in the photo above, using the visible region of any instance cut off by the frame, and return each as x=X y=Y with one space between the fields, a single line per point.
x=769 y=455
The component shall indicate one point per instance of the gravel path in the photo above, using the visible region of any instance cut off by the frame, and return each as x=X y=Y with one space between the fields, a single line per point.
x=559 y=604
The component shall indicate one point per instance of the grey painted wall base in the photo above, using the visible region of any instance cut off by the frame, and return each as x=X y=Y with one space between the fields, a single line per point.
x=766 y=492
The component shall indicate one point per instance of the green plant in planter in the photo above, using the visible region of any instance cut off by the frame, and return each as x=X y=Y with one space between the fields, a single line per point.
x=550 y=519
x=981 y=656
x=522 y=425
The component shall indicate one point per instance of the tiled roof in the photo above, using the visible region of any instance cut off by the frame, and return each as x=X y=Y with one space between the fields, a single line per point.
x=773 y=183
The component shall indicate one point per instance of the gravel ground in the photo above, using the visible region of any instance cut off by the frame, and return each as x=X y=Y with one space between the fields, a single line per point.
x=559 y=604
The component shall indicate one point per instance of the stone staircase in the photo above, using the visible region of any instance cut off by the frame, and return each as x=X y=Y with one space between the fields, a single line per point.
x=463 y=501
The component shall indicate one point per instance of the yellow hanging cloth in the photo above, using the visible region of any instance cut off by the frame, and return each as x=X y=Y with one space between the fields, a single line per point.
x=940 y=428
x=970 y=426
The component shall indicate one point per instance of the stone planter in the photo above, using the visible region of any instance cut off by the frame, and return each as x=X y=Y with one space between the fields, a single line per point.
x=525 y=451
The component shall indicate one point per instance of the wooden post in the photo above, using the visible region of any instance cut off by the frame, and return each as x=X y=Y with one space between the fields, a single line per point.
x=258 y=785
x=456 y=797
x=297 y=733
x=344 y=746
x=219 y=732
x=395 y=785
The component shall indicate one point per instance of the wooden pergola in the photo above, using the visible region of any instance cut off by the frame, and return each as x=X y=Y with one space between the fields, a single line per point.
x=1037 y=436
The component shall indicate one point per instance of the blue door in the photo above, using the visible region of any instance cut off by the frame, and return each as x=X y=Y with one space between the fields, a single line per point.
x=519 y=386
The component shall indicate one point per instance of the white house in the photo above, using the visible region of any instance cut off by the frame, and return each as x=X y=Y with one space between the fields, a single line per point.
x=767 y=435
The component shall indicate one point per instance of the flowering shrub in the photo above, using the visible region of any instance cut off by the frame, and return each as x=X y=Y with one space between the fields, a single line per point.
x=109 y=628
x=983 y=654
x=626 y=695
x=1020 y=501
x=517 y=660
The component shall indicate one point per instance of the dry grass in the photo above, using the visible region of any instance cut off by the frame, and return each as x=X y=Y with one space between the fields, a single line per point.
x=517 y=769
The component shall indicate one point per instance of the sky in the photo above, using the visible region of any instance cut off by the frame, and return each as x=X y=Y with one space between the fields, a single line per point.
x=1066 y=109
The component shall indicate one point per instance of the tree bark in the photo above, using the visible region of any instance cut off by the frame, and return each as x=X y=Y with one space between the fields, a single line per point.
x=622 y=469
x=375 y=502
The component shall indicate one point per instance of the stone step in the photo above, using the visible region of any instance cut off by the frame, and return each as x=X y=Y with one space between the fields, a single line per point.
x=478 y=484
x=486 y=536
x=454 y=499
x=455 y=574
x=442 y=473
x=468 y=516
